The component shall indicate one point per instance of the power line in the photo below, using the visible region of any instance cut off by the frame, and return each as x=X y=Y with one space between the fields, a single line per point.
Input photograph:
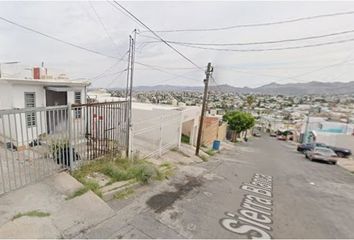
x=258 y=43
x=161 y=70
x=114 y=79
x=260 y=24
x=56 y=39
x=112 y=66
x=161 y=39
x=110 y=74
x=184 y=76
x=102 y=24
x=172 y=68
x=270 y=49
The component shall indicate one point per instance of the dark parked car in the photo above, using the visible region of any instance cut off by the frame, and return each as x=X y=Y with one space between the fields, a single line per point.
x=341 y=152
x=322 y=154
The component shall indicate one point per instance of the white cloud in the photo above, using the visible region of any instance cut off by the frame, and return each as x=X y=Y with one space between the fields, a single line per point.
x=76 y=22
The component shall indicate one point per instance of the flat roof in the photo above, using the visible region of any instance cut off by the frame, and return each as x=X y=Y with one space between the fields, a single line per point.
x=149 y=106
x=46 y=82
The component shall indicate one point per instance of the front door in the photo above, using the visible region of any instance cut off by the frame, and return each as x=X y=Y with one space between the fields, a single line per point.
x=56 y=118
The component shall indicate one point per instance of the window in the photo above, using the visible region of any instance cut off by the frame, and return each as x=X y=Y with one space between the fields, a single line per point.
x=30 y=102
x=77 y=97
x=77 y=100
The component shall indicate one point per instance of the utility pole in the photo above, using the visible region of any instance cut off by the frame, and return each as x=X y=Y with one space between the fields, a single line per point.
x=130 y=79
x=306 y=128
x=204 y=106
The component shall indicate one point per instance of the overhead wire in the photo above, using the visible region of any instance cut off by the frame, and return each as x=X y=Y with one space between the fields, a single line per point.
x=115 y=78
x=184 y=76
x=56 y=38
x=102 y=24
x=102 y=74
x=116 y=63
x=260 y=24
x=171 y=68
x=270 y=49
x=160 y=70
x=256 y=43
x=155 y=34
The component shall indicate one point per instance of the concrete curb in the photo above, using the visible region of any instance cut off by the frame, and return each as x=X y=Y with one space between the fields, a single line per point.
x=109 y=191
x=347 y=164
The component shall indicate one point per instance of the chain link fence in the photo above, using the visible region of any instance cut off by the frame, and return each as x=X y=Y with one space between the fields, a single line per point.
x=155 y=136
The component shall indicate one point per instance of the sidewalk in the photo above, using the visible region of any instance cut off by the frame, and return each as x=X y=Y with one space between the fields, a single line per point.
x=61 y=218
x=42 y=210
x=347 y=163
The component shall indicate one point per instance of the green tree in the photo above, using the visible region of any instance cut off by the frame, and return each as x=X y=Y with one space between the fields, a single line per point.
x=250 y=100
x=239 y=122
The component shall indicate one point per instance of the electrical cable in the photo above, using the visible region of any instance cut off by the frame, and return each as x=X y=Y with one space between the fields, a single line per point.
x=160 y=70
x=271 y=49
x=161 y=39
x=56 y=39
x=95 y=78
x=256 y=43
x=114 y=79
x=172 y=68
x=260 y=24
x=102 y=24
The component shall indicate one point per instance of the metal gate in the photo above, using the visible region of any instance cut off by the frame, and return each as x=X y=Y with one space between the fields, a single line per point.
x=37 y=142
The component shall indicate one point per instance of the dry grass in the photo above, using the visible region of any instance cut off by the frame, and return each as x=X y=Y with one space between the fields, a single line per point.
x=34 y=213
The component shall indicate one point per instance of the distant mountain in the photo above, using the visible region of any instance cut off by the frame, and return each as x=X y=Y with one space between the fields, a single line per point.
x=166 y=88
x=307 y=88
x=272 y=88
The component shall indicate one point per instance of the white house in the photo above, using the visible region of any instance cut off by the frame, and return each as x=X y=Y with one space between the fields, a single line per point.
x=37 y=93
x=23 y=93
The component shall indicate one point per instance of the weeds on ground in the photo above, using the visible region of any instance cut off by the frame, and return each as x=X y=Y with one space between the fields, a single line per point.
x=166 y=170
x=204 y=158
x=185 y=139
x=117 y=169
x=124 y=194
x=34 y=213
x=210 y=152
x=77 y=193
x=88 y=185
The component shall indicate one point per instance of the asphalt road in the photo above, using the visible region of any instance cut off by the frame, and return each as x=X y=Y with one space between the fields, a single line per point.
x=262 y=188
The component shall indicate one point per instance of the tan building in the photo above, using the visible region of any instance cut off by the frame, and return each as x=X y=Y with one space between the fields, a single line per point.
x=213 y=129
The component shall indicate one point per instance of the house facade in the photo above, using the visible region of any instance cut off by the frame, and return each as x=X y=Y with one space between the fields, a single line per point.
x=36 y=93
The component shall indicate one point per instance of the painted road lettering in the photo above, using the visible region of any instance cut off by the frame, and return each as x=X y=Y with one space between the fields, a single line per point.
x=255 y=215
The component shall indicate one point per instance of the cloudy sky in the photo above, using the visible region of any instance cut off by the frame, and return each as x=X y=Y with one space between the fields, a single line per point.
x=100 y=27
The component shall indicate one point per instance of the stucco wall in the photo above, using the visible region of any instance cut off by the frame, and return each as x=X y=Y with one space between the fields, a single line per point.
x=187 y=127
x=222 y=132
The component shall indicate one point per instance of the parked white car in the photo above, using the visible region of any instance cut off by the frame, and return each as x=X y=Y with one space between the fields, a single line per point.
x=322 y=154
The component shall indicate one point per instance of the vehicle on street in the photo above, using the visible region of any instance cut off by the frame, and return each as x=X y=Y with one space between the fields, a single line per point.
x=273 y=134
x=341 y=152
x=256 y=134
x=322 y=154
x=282 y=138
